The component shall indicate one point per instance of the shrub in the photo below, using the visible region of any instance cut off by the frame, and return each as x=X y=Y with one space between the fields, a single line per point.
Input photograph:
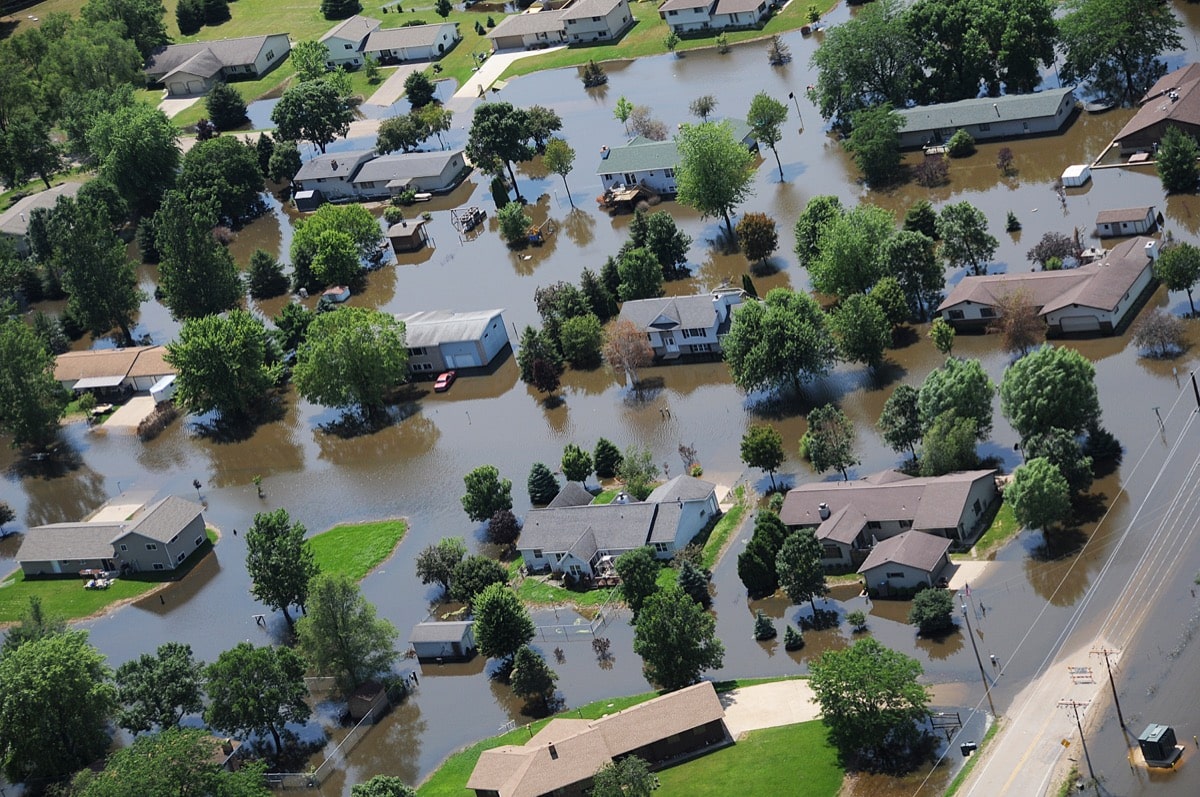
x=820 y=620
x=393 y=214
x=792 y=639
x=932 y=612
x=932 y=171
x=1013 y=224
x=153 y=424
x=961 y=144
x=764 y=629
x=857 y=620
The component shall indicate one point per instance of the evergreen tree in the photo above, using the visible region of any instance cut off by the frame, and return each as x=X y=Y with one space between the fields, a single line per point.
x=764 y=629
x=265 y=277
x=541 y=484
x=226 y=108
x=215 y=11
x=576 y=463
x=694 y=582
x=532 y=679
x=756 y=564
x=607 y=458
x=340 y=9
x=189 y=15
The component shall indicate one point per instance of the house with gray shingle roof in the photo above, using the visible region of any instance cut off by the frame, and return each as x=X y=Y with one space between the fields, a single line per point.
x=572 y=494
x=332 y=173
x=1097 y=297
x=196 y=67
x=580 y=21
x=909 y=560
x=437 y=640
x=679 y=325
x=344 y=41
x=438 y=340
x=1010 y=116
x=390 y=175
x=642 y=161
x=14 y=222
x=412 y=43
x=534 y=28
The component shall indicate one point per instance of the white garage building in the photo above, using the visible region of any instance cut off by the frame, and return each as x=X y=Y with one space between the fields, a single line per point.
x=439 y=340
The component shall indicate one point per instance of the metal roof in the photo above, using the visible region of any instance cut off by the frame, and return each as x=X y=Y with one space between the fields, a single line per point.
x=90 y=382
x=982 y=110
x=434 y=327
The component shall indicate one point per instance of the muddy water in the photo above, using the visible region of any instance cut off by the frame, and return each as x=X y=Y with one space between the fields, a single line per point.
x=414 y=468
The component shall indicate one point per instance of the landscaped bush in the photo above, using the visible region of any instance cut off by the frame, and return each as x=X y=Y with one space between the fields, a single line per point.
x=819 y=621
x=961 y=144
x=764 y=629
x=792 y=639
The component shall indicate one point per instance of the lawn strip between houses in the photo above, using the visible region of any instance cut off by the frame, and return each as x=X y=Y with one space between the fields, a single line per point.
x=1004 y=527
x=355 y=549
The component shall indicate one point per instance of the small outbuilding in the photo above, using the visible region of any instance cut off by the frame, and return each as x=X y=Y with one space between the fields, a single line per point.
x=408 y=235
x=1126 y=221
x=1077 y=175
x=443 y=641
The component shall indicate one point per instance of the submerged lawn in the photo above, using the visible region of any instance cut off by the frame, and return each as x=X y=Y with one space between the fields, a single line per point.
x=355 y=549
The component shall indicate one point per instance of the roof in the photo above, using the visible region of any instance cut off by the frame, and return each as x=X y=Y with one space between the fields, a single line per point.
x=405 y=165
x=411 y=36
x=151 y=361
x=572 y=494
x=437 y=631
x=671 y=312
x=526 y=23
x=15 y=220
x=567 y=751
x=352 y=29
x=337 y=164
x=106 y=364
x=608 y=526
x=682 y=5
x=1099 y=284
x=983 y=110
x=586 y=9
x=164 y=520
x=682 y=488
x=1175 y=97
x=642 y=155
x=228 y=52
x=737 y=6
x=58 y=541
x=1123 y=214
x=434 y=327
x=203 y=64
x=915 y=549
x=406 y=228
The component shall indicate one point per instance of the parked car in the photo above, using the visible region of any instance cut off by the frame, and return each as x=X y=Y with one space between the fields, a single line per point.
x=444 y=381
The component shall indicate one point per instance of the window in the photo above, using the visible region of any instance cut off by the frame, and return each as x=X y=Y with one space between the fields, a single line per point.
x=672 y=13
x=906 y=524
x=159 y=566
x=1025 y=126
x=348 y=47
x=419 y=351
x=874 y=524
x=595 y=19
x=987 y=312
x=558 y=557
x=978 y=507
x=662 y=547
x=956 y=315
x=984 y=128
x=124 y=547
x=199 y=540
x=702 y=347
x=630 y=177
x=270 y=55
x=894 y=574
x=537 y=553
x=180 y=558
x=172 y=540
x=606 y=177
x=831 y=552
x=151 y=546
x=669 y=172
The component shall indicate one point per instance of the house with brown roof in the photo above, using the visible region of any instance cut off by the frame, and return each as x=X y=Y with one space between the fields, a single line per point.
x=907 y=561
x=196 y=67
x=563 y=757
x=1173 y=101
x=1126 y=221
x=596 y=20
x=682 y=16
x=851 y=517
x=134 y=368
x=679 y=325
x=1097 y=297
x=412 y=43
x=344 y=41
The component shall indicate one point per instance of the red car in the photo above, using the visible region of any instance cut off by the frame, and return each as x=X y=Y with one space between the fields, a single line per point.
x=444 y=381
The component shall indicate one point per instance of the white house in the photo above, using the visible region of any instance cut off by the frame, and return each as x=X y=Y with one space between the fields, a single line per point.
x=739 y=13
x=388 y=175
x=596 y=20
x=195 y=68
x=412 y=43
x=136 y=368
x=344 y=41
x=532 y=29
x=443 y=641
x=1096 y=297
x=440 y=339
x=678 y=325
x=682 y=16
x=332 y=174
x=1126 y=221
x=652 y=163
x=1010 y=116
x=14 y=222
x=904 y=562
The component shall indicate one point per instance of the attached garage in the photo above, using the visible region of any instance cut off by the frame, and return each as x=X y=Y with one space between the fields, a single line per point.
x=1080 y=323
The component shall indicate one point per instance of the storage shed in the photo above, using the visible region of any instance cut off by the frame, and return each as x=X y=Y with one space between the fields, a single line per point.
x=443 y=641
x=1077 y=175
x=1126 y=221
x=408 y=235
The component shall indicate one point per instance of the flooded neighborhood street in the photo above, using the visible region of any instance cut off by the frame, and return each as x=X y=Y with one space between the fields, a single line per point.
x=414 y=468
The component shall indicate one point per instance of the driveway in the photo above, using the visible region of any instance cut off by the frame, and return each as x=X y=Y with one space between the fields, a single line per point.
x=768 y=706
x=392 y=89
x=483 y=78
x=173 y=105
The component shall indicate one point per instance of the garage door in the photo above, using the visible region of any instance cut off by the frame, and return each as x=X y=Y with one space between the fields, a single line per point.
x=195 y=87
x=1080 y=323
x=462 y=361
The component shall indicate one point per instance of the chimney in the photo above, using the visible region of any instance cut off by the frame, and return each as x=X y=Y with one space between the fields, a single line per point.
x=227 y=746
x=604 y=153
x=1151 y=249
x=553 y=752
x=823 y=510
x=622 y=498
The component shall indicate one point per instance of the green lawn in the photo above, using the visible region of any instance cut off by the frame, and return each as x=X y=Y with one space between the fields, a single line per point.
x=355 y=549
x=606 y=496
x=1003 y=528
x=538 y=592
x=67 y=598
x=728 y=523
x=36 y=186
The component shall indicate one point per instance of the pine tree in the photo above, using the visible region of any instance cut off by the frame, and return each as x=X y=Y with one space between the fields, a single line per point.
x=792 y=639
x=541 y=484
x=694 y=582
x=764 y=629
x=607 y=458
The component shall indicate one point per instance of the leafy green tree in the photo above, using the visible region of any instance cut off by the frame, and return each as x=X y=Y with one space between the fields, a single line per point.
x=419 y=89
x=436 y=563
x=798 y=565
x=910 y=257
x=900 y=421
x=49 y=331
x=226 y=108
x=382 y=786
x=820 y=212
x=766 y=117
x=159 y=690
x=559 y=157
x=694 y=582
x=443 y=8
x=142 y=20
x=607 y=458
x=580 y=340
x=111 y=206
x=1062 y=450
x=715 y=172
x=136 y=149
x=962 y=386
x=486 y=493
x=676 y=639
x=56 y=697
x=627 y=777
x=756 y=565
x=932 y=612
x=540 y=123
x=264 y=277
x=762 y=447
x=942 y=334
x=532 y=679
x=308 y=59
x=637 y=471
x=474 y=574
x=221 y=362
x=292 y=325
x=757 y=234
x=1039 y=494
x=659 y=235
x=30 y=149
x=1116 y=44
x=922 y=218
x=352 y=356
x=576 y=463
x=497 y=138
x=436 y=120
x=340 y=635
x=556 y=304
x=227 y=169
x=641 y=275
x=851 y=251
x=256 y=690
x=541 y=484
x=31 y=400
x=949 y=445
x=862 y=331
x=279 y=561
x=1054 y=387
x=1178 y=267
x=284 y=162
x=34 y=623
x=782 y=340
x=890 y=297
x=638 y=570
x=874 y=142
x=622 y=111
x=965 y=239
x=312 y=111
x=353 y=220
x=514 y=224
x=857 y=620
x=197 y=275
x=340 y=9
x=502 y=624
x=829 y=441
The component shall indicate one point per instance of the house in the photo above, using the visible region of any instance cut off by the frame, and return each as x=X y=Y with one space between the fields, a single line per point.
x=572 y=494
x=581 y=540
x=683 y=16
x=652 y=163
x=14 y=222
x=734 y=14
x=443 y=641
x=408 y=235
x=562 y=757
x=678 y=325
x=159 y=536
x=596 y=20
x=532 y=29
x=332 y=174
x=907 y=561
x=195 y=68
x=391 y=175
x=439 y=340
x=1096 y=297
x=1126 y=221
x=413 y=43
x=1173 y=101
x=344 y=41
x=849 y=517
x=134 y=368
x=1010 y=116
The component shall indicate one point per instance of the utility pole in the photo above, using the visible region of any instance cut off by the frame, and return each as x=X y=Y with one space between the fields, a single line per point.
x=1075 y=705
x=1106 y=652
x=1195 y=388
x=986 y=686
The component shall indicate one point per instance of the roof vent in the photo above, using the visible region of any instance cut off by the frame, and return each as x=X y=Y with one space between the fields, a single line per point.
x=333 y=165
x=823 y=509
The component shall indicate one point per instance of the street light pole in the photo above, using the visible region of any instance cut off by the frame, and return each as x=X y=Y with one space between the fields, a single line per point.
x=986 y=687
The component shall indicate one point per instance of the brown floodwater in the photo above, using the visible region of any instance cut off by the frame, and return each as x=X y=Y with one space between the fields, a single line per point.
x=414 y=468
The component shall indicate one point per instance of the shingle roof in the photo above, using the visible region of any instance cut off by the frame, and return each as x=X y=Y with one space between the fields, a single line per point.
x=1158 y=104
x=982 y=110
x=151 y=361
x=682 y=5
x=671 y=312
x=112 y=362
x=614 y=526
x=337 y=164
x=586 y=9
x=203 y=64
x=439 y=631
x=682 y=488
x=399 y=38
x=1123 y=214
x=737 y=6
x=164 y=520
x=572 y=494
x=352 y=29
x=915 y=549
x=230 y=52
x=58 y=541
x=405 y=166
x=434 y=327
x=642 y=154
x=15 y=220
x=526 y=23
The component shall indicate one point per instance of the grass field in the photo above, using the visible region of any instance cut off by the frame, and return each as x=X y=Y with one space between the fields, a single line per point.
x=355 y=549
x=67 y=598
x=1003 y=528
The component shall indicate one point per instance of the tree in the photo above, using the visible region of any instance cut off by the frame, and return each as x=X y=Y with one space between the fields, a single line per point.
x=900 y=421
x=757 y=234
x=762 y=447
x=136 y=149
x=30 y=149
x=874 y=143
x=1159 y=334
x=197 y=275
x=694 y=582
x=292 y=325
x=309 y=238
x=31 y=400
x=641 y=275
x=532 y=679
x=284 y=162
x=226 y=169
x=628 y=777
x=909 y=256
x=829 y=441
x=942 y=334
x=56 y=698
x=659 y=235
x=756 y=565
x=1062 y=450
x=965 y=239
x=637 y=471
x=778 y=53
x=932 y=612
x=540 y=123
x=818 y=214
x=559 y=158
x=436 y=563
x=502 y=624
x=764 y=629
x=798 y=565
x=279 y=561
x=643 y=123
x=541 y=484
x=474 y=574
x=766 y=117
x=503 y=528
x=312 y=111
x=486 y=493
x=890 y=297
x=781 y=340
x=264 y=277
x=226 y=108
x=34 y=623
x=539 y=360
x=622 y=111
x=1175 y=162
x=922 y=218
x=216 y=11
x=1038 y=494
x=851 y=251
x=607 y=458
x=676 y=639
x=576 y=463
x=872 y=703
x=514 y=224
x=159 y=690
x=435 y=119
x=498 y=136
x=142 y=20
x=221 y=362
x=419 y=89
x=580 y=340
x=341 y=636
x=308 y=58
x=1116 y=43
x=256 y=690
x=863 y=332
x=353 y=356
x=638 y=570
x=443 y=8
x=340 y=9
x=1052 y=245
x=189 y=16
x=557 y=304
x=1178 y=267
x=626 y=349
x=949 y=445
x=702 y=106
x=962 y=386
x=715 y=173
x=382 y=786
x=1054 y=387
x=1020 y=325
x=671 y=40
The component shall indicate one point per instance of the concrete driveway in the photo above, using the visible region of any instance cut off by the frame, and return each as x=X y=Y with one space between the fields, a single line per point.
x=483 y=78
x=392 y=89
x=173 y=105
x=768 y=706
